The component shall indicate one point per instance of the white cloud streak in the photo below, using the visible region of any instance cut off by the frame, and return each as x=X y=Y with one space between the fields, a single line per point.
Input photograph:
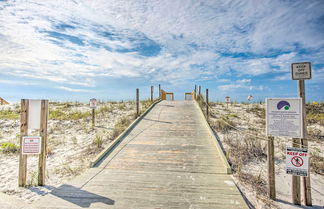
x=190 y=33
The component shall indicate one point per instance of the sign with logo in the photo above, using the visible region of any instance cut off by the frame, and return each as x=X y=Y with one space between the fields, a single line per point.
x=250 y=97
x=284 y=117
x=31 y=145
x=228 y=99
x=297 y=161
x=301 y=71
x=93 y=103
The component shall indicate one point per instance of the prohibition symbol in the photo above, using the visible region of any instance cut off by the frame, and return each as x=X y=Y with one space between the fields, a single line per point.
x=297 y=161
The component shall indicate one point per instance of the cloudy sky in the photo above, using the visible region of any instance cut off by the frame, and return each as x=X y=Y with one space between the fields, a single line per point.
x=76 y=50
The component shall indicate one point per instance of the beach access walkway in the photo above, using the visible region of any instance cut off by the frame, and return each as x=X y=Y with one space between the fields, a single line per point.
x=170 y=159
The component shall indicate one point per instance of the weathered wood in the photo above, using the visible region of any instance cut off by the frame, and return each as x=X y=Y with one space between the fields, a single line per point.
x=306 y=180
x=137 y=103
x=43 y=134
x=168 y=160
x=296 y=198
x=152 y=89
x=93 y=117
x=207 y=107
x=23 y=132
x=160 y=91
x=271 y=169
x=199 y=91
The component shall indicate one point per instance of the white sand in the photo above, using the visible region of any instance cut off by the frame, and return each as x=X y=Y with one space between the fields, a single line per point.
x=71 y=147
x=257 y=167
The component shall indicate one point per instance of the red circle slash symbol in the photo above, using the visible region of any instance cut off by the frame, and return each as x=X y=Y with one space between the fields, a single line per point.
x=297 y=161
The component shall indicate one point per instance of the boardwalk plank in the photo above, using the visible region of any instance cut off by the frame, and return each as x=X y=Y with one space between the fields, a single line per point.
x=167 y=161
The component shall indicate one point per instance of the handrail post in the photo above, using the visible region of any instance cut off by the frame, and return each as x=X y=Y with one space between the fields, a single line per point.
x=207 y=103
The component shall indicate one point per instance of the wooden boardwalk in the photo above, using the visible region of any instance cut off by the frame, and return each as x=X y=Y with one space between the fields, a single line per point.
x=169 y=160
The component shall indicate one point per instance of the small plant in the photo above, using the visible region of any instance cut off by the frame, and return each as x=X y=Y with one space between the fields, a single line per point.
x=33 y=178
x=120 y=126
x=317 y=162
x=9 y=114
x=224 y=124
x=8 y=148
x=121 y=106
x=74 y=140
x=98 y=141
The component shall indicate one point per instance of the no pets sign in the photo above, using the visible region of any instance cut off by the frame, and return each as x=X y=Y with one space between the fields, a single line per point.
x=297 y=161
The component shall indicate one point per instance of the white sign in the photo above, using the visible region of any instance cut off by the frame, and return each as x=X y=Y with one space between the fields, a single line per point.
x=301 y=71
x=34 y=114
x=297 y=161
x=284 y=117
x=227 y=99
x=93 y=103
x=31 y=145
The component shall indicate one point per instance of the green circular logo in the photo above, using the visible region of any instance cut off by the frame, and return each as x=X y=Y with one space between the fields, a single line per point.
x=286 y=107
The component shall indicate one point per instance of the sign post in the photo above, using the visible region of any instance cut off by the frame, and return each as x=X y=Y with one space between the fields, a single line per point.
x=152 y=89
x=283 y=118
x=93 y=106
x=227 y=100
x=34 y=115
x=137 y=102
x=301 y=72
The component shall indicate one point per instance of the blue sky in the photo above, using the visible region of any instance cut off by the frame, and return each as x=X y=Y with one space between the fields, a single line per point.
x=76 y=50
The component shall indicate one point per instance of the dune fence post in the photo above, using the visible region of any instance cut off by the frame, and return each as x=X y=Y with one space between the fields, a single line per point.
x=271 y=169
x=23 y=132
x=137 y=102
x=43 y=134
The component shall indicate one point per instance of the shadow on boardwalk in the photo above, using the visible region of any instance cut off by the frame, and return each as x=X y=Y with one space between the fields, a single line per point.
x=77 y=196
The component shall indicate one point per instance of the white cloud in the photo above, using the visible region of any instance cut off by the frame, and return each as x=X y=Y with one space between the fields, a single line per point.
x=74 y=90
x=190 y=34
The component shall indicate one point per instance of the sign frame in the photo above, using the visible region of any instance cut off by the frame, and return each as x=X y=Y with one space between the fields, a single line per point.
x=307 y=70
x=284 y=116
x=39 y=145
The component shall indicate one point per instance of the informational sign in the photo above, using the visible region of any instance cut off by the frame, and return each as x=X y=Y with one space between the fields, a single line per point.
x=31 y=145
x=284 y=117
x=34 y=114
x=93 y=103
x=301 y=71
x=297 y=161
x=228 y=99
x=250 y=97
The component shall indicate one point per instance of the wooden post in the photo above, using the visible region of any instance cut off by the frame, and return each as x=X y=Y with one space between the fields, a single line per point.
x=137 y=102
x=295 y=185
x=43 y=134
x=271 y=169
x=304 y=143
x=199 y=89
x=207 y=108
x=93 y=117
x=23 y=132
x=160 y=91
x=152 y=93
x=195 y=91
